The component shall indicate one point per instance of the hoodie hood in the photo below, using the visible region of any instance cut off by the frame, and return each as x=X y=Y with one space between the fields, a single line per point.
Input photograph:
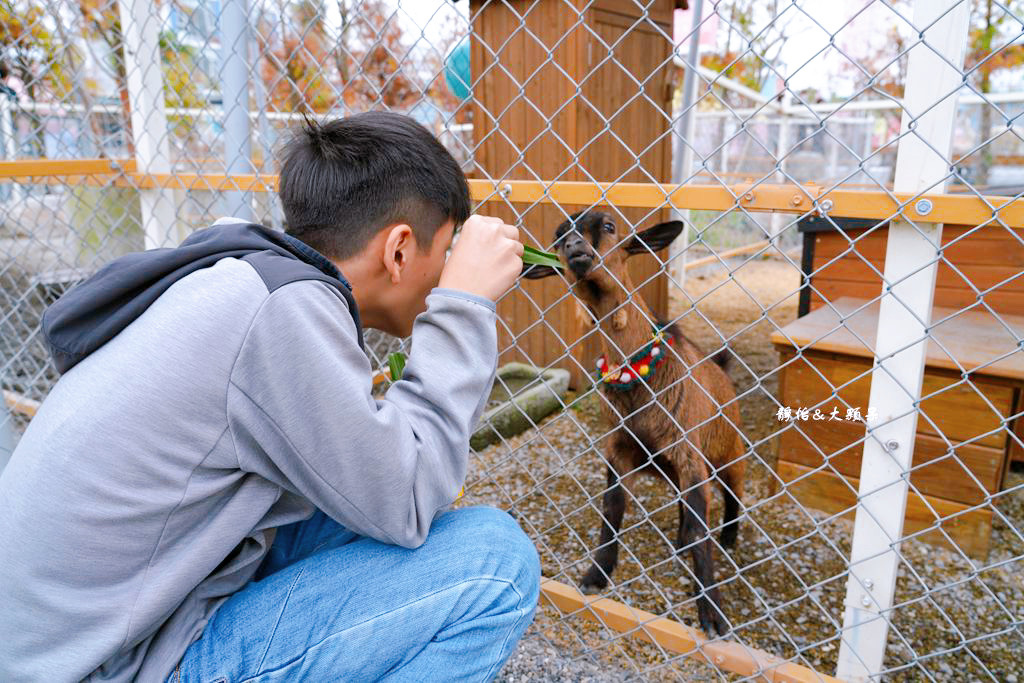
x=95 y=311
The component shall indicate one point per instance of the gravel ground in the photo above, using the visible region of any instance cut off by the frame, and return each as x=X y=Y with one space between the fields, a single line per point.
x=784 y=583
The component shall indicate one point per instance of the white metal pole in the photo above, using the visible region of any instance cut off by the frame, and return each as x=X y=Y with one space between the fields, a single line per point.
x=7 y=128
x=831 y=148
x=10 y=145
x=934 y=72
x=781 y=153
x=267 y=138
x=234 y=48
x=149 y=120
x=685 y=127
x=727 y=133
x=7 y=440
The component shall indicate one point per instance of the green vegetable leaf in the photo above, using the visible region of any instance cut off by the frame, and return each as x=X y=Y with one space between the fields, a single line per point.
x=396 y=363
x=535 y=257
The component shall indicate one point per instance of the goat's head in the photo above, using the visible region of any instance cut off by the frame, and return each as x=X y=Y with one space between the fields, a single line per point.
x=595 y=251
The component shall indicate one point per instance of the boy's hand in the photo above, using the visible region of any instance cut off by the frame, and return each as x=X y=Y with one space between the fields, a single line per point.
x=486 y=259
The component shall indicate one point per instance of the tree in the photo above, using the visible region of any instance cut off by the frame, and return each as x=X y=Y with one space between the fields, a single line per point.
x=184 y=85
x=36 y=55
x=295 y=63
x=309 y=64
x=382 y=73
x=753 y=42
x=993 y=48
x=101 y=21
x=986 y=57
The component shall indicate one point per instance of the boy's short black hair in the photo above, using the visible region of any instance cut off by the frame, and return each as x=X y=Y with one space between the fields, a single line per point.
x=344 y=181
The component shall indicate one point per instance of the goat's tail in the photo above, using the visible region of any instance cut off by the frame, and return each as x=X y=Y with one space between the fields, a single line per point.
x=722 y=358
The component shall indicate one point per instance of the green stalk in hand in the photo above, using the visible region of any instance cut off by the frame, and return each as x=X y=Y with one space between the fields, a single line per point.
x=536 y=257
x=396 y=363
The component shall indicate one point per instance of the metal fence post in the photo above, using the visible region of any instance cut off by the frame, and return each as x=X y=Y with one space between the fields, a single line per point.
x=10 y=145
x=149 y=119
x=778 y=220
x=7 y=440
x=685 y=127
x=934 y=75
x=234 y=48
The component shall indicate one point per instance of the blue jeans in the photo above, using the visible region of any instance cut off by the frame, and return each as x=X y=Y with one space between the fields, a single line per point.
x=328 y=605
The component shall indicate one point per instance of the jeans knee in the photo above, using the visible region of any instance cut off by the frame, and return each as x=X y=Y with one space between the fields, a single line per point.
x=517 y=561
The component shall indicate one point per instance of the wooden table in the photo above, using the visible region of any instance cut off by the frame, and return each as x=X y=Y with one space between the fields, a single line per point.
x=963 y=443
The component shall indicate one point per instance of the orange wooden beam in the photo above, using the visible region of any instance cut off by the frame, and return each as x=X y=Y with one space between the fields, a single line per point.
x=880 y=205
x=675 y=637
x=35 y=168
x=955 y=209
x=203 y=181
x=21 y=404
x=718 y=257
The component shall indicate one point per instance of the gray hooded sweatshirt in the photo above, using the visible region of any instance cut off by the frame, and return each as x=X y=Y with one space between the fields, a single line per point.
x=212 y=393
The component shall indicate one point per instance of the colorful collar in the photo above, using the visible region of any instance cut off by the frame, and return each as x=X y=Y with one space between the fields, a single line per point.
x=639 y=367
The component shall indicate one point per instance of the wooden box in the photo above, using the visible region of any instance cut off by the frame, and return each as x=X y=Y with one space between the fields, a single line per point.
x=980 y=263
x=963 y=443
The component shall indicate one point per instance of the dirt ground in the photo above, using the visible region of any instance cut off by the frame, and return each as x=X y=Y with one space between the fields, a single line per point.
x=784 y=582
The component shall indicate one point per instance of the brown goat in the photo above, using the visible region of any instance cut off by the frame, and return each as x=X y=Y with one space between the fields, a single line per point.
x=674 y=422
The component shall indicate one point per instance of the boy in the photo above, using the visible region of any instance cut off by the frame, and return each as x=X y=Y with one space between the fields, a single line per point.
x=210 y=492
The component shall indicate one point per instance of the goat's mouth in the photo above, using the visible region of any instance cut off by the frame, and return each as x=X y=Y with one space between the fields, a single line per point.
x=580 y=265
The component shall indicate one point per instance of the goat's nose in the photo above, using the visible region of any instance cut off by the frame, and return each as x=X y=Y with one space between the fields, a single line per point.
x=573 y=242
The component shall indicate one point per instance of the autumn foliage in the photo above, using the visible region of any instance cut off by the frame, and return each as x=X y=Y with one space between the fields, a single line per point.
x=308 y=66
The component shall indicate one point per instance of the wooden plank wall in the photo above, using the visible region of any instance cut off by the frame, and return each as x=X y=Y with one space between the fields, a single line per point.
x=962 y=415
x=983 y=257
x=531 y=123
x=526 y=134
x=950 y=524
x=627 y=130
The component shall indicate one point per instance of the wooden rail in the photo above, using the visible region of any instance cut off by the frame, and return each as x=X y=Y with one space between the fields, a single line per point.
x=36 y=168
x=21 y=404
x=796 y=199
x=954 y=209
x=676 y=637
x=720 y=256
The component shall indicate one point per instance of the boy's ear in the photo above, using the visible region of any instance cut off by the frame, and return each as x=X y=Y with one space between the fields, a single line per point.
x=399 y=241
x=531 y=272
x=654 y=239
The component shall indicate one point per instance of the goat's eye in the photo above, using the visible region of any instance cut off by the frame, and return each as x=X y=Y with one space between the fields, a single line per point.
x=609 y=227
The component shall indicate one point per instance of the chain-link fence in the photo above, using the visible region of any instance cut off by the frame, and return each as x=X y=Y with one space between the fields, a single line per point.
x=833 y=341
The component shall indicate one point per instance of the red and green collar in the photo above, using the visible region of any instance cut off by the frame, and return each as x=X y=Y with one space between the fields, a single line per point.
x=640 y=367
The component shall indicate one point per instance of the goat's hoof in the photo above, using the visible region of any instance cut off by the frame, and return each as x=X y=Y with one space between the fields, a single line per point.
x=594 y=582
x=727 y=538
x=712 y=619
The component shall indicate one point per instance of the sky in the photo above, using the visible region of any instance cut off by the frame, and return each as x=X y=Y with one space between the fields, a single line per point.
x=808 y=24
x=806 y=37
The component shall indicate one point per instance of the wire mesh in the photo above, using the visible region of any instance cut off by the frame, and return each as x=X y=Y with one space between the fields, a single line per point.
x=796 y=95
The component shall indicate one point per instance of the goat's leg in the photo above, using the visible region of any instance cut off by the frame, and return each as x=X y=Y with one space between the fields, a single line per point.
x=607 y=554
x=693 y=512
x=732 y=493
x=730 y=518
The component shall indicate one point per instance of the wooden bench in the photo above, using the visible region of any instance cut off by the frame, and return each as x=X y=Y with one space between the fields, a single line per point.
x=827 y=349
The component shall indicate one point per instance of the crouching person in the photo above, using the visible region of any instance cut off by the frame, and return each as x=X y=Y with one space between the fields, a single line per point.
x=211 y=493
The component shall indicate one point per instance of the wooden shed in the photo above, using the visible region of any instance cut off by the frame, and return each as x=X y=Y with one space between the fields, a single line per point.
x=570 y=91
x=963 y=445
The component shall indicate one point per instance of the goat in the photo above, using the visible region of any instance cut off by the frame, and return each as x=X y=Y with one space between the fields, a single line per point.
x=693 y=392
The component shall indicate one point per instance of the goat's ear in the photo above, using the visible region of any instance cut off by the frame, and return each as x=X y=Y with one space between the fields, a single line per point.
x=654 y=239
x=531 y=272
